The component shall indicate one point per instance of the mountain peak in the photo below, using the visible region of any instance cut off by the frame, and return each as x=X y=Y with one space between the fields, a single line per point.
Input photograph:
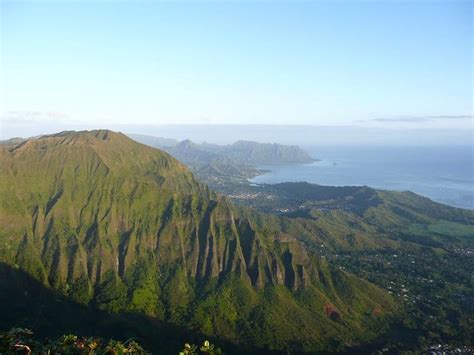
x=187 y=143
x=245 y=142
x=111 y=152
x=97 y=134
x=67 y=138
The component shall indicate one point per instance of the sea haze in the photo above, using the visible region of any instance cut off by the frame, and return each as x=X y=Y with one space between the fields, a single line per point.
x=444 y=174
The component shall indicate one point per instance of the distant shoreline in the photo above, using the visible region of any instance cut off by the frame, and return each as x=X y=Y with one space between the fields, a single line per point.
x=411 y=169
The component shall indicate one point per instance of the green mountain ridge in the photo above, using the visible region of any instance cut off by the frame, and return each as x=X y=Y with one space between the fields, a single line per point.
x=216 y=165
x=123 y=227
x=416 y=249
x=267 y=153
x=240 y=152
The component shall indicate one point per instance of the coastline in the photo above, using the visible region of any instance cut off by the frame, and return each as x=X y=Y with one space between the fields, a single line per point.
x=333 y=172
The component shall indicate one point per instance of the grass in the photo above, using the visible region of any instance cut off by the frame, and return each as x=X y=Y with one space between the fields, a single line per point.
x=444 y=228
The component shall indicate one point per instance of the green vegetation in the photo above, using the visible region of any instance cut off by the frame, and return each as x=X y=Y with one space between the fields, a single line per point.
x=125 y=230
x=241 y=152
x=420 y=251
x=217 y=165
x=20 y=340
x=443 y=228
x=205 y=348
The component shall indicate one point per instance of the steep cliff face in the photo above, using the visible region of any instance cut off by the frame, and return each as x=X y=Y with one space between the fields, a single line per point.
x=125 y=227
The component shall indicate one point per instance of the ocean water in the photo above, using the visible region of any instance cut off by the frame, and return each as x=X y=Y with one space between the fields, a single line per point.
x=444 y=174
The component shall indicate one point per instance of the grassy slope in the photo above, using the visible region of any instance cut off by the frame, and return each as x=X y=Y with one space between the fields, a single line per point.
x=415 y=248
x=123 y=227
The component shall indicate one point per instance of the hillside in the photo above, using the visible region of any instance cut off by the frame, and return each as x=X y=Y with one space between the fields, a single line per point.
x=10 y=141
x=266 y=153
x=416 y=249
x=240 y=152
x=218 y=165
x=122 y=227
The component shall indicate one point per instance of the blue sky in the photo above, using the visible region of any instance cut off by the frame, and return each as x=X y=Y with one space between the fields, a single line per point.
x=388 y=63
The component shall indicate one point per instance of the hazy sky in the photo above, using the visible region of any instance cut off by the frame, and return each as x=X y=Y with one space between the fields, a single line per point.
x=385 y=64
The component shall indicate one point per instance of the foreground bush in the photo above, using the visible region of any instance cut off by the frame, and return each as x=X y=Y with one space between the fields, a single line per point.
x=20 y=341
x=205 y=348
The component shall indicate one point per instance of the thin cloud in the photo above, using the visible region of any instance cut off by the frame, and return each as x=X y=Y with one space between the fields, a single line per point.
x=32 y=117
x=418 y=119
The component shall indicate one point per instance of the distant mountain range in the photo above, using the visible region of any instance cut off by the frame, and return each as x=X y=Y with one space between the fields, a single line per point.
x=216 y=165
x=241 y=152
x=301 y=135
